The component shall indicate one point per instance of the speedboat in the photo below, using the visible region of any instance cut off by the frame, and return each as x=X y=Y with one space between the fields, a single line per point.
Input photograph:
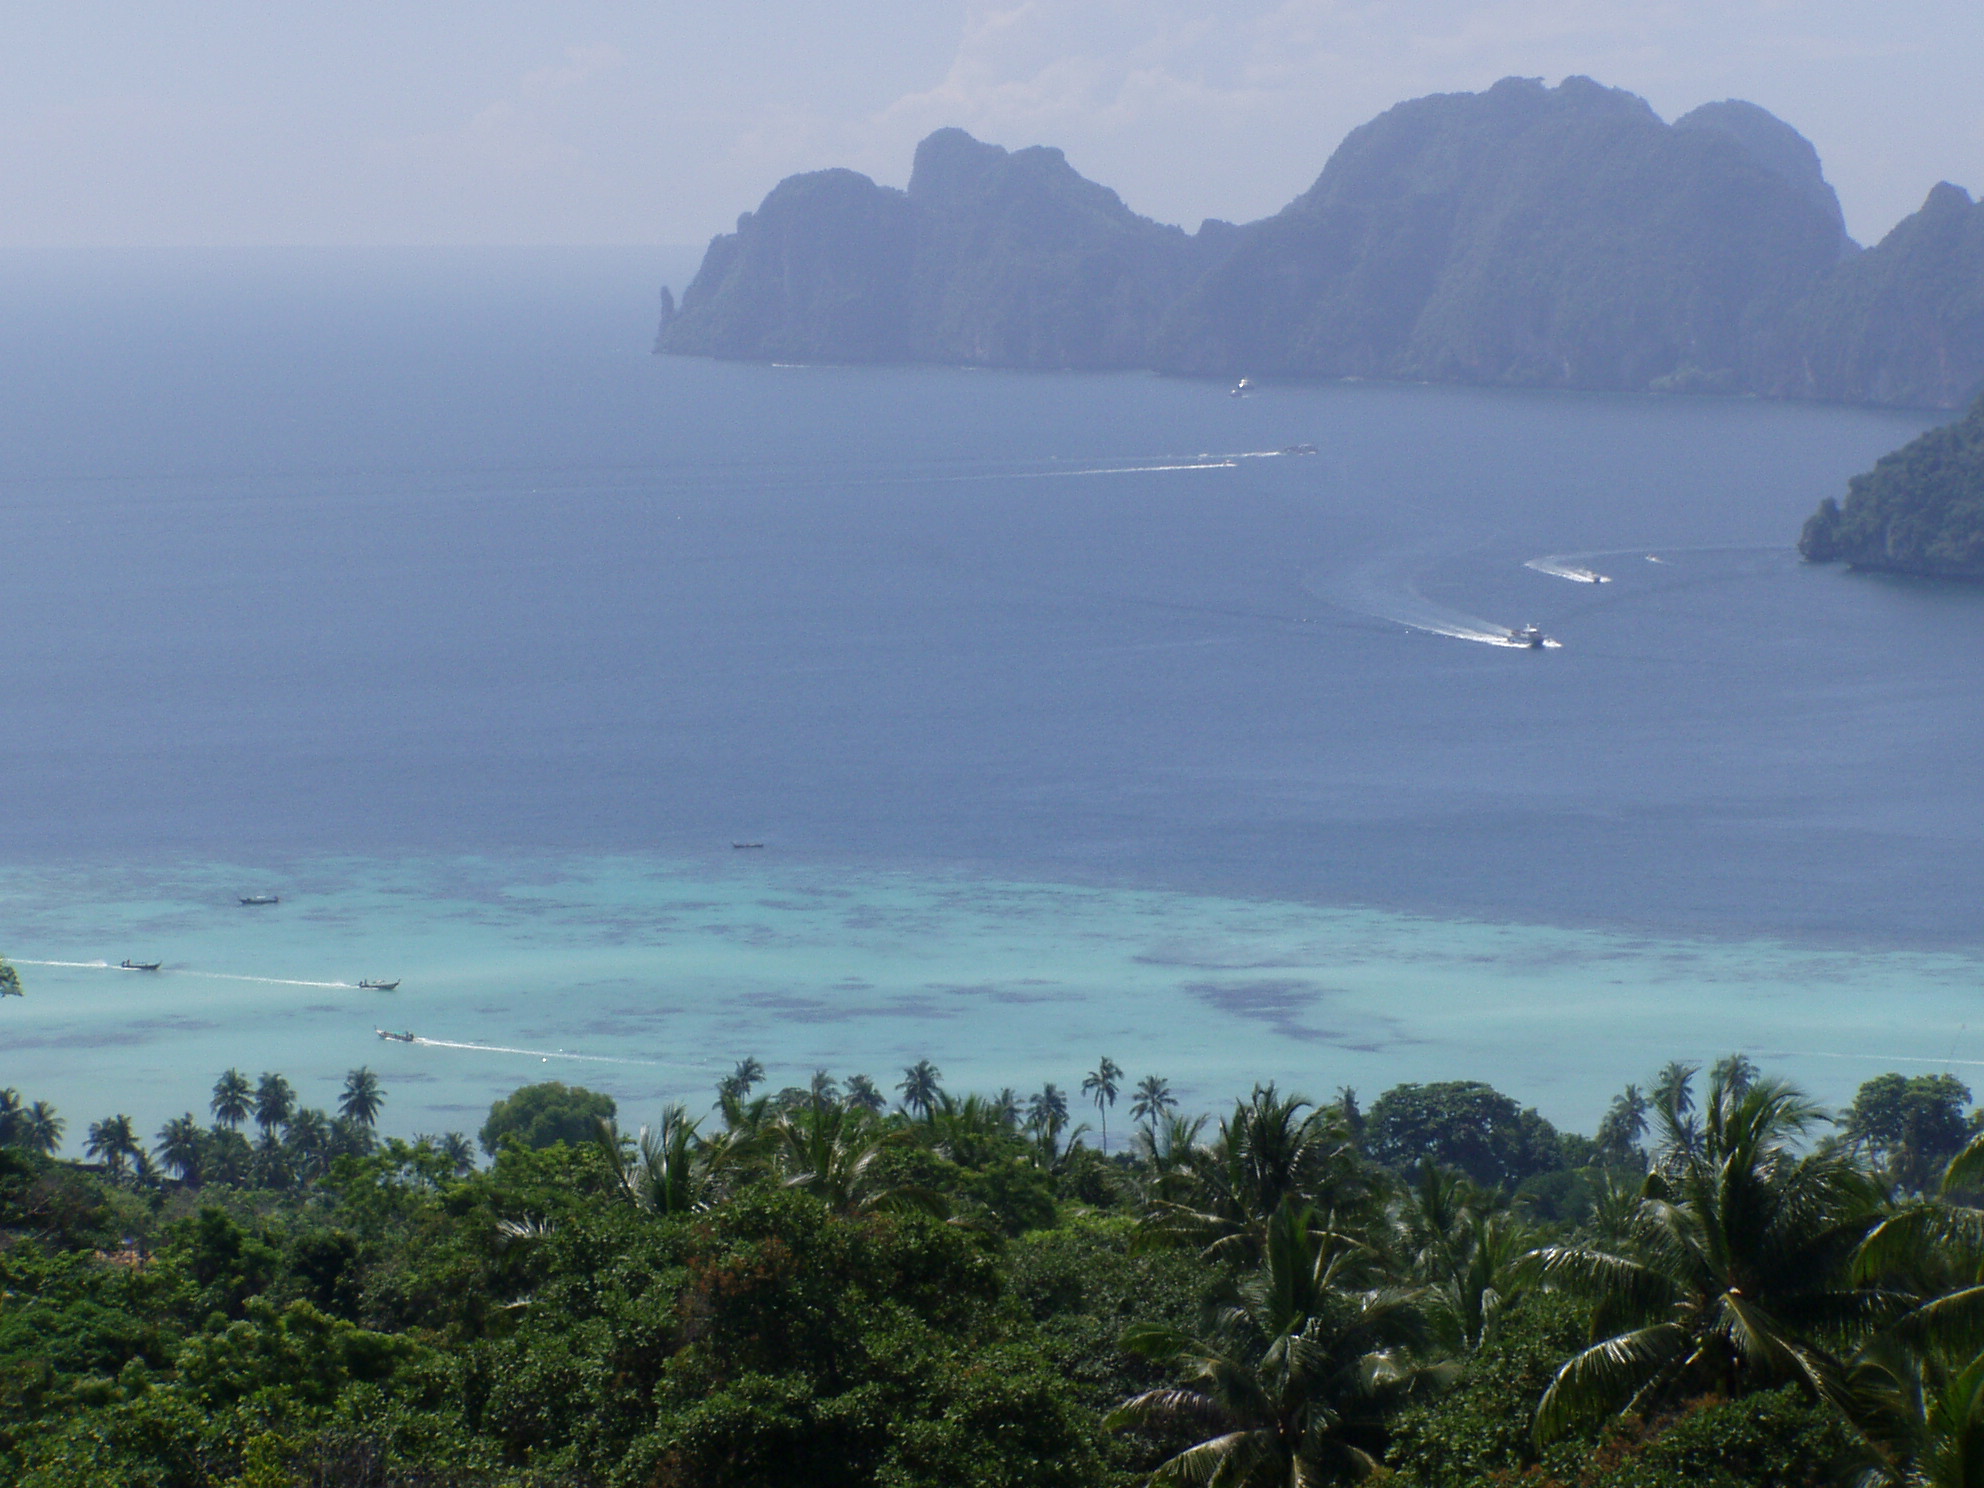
x=392 y=986
x=1243 y=388
x=260 y=899
x=1529 y=635
x=140 y=965
x=741 y=846
x=397 y=1038
x=1301 y=449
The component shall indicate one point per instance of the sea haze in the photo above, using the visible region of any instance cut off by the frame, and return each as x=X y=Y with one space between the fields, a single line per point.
x=404 y=582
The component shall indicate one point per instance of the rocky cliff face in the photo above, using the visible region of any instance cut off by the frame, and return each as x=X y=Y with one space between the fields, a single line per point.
x=990 y=258
x=1526 y=235
x=1902 y=324
x=1529 y=235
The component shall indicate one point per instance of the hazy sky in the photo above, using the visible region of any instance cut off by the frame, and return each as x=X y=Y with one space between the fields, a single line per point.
x=606 y=121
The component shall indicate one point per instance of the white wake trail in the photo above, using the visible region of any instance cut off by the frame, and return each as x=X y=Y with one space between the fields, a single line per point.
x=218 y=976
x=1873 y=1058
x=546 y=1053
x=1226 y=464
x=1382 y=591
x=228 y=976
x=1566 y=566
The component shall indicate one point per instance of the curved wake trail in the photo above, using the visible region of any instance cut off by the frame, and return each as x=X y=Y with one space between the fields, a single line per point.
x=1381 y=592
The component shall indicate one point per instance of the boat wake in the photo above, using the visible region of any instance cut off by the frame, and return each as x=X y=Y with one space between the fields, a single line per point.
x=1208 y=462
x=217 y=976
x=432 y=1043
x=1566 y=566
x=1382 y=591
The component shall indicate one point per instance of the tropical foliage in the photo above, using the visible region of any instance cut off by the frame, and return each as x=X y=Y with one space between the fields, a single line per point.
x=809 y=1286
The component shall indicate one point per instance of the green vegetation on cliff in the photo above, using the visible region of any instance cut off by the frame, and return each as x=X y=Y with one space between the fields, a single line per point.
x=1919 y=510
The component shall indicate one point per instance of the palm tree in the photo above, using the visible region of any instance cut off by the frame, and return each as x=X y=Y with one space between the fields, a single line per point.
x=972 y=1132
x=12 y=1115
x=1100 y=1086
x=1920 y=1411
x=1917 y=1390
x=1047 y=1124
x=274 y=1101
x=457 y=1149
x=1733 y=1274
x=861 y=1092
x=1046 y=1116
x=1624 y=1125
x=830 y=1151
x=824 y=1086
x=741 y=1081
x=919 y=1087
x=232 y=1097
x=1674 y=1104
x=181 y=1144
x=115 y=1141
x=1673 y=1087
x=1169 y=1149
x=362 y=1097
x=229 y=1159
x=350 y=1137
x=41 y=1129
x=1295 y=1372
x=1007 y=1104
x=668 y=1169
x=1736 y=1072
x=1152 y=1100
x=307 y=1137
x=270 y=1163
x=1273 y=1149
x=1466 y=1249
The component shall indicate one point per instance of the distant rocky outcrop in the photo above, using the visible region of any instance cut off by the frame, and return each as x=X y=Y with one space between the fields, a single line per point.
x=990 y=258
x=1919 y=510
x=1526 y=235
x=1901 y=324
x=1538 y=236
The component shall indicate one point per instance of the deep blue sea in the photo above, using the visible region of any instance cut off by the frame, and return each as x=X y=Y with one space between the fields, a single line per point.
x=1073 y=718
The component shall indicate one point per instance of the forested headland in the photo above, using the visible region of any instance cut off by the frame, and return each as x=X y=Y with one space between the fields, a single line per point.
x=1919 y=510
x=842 y=1284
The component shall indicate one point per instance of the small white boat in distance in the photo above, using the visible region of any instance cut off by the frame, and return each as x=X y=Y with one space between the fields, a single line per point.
x=1530 y=636
x=261 y=899
x=392 y=986
x=1243 y=388
x=397 y=1038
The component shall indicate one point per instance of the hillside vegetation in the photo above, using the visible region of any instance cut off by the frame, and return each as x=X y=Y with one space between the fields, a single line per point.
x=1919 y=510
x=810 y=1288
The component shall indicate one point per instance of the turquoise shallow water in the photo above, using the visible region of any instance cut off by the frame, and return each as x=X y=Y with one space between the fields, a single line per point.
x=1078 y=717
x=647 y=978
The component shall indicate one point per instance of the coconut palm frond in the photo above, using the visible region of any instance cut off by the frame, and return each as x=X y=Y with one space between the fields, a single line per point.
x=1223 y=1462
x=1965 y=1170
x=1606 y=1376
